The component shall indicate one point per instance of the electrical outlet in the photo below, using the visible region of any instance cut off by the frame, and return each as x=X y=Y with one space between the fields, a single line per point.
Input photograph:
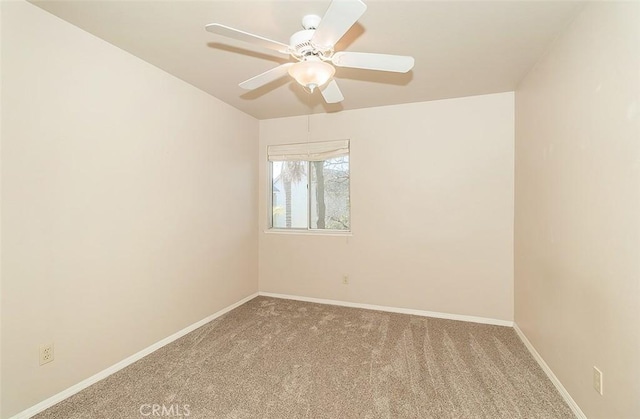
x=597 y=380
x=345 y=280
x=46 y=353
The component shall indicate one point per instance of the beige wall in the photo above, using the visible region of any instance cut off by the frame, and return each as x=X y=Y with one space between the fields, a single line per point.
x=432 y=209
x=577 y=224
x=129 y=207
x=128 y=204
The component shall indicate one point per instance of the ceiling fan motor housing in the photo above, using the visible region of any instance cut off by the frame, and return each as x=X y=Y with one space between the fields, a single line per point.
x=300 y=43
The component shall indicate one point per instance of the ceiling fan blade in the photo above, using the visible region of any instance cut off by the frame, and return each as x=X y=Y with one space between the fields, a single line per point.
x=367 y=61
x=331 y=92
x=247 y=37
x=266 y=77
x=340 y=16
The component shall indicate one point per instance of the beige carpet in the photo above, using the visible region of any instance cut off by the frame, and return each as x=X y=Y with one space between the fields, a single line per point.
x=273 y=358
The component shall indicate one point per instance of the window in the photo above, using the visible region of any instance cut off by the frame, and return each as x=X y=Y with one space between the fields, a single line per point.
x=310 y=186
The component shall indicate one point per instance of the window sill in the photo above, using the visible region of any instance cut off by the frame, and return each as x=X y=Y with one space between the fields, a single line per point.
x=293 y=232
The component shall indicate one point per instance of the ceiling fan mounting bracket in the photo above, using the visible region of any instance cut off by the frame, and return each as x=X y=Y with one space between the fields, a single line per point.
x=311 y=21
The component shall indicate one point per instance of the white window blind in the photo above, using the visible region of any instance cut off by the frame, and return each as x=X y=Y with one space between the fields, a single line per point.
x=317 y=151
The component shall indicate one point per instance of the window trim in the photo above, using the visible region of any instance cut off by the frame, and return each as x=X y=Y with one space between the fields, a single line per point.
x=307 y=232
x=304 y=231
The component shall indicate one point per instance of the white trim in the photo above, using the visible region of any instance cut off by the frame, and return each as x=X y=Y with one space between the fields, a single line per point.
x=460 y=317
x=563 y=391
x=309 y=232
x=45 y=404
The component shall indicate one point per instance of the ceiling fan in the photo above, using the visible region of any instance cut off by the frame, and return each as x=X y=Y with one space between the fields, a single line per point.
x=313 y=51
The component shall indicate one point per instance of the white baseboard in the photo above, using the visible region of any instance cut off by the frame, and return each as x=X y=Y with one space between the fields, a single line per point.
x=563 y=391
x=464 y=318
x=45 y=404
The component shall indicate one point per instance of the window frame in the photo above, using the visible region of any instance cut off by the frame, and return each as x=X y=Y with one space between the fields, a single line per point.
x=308 y=230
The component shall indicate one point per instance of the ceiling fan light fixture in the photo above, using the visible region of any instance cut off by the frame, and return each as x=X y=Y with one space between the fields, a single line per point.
x=312 y=73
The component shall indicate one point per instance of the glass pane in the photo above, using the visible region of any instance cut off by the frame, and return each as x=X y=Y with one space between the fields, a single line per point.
x=289 y=194
x=330 y=194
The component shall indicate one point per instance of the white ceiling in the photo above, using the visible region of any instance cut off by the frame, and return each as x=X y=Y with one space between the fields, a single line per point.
x=460 y=48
